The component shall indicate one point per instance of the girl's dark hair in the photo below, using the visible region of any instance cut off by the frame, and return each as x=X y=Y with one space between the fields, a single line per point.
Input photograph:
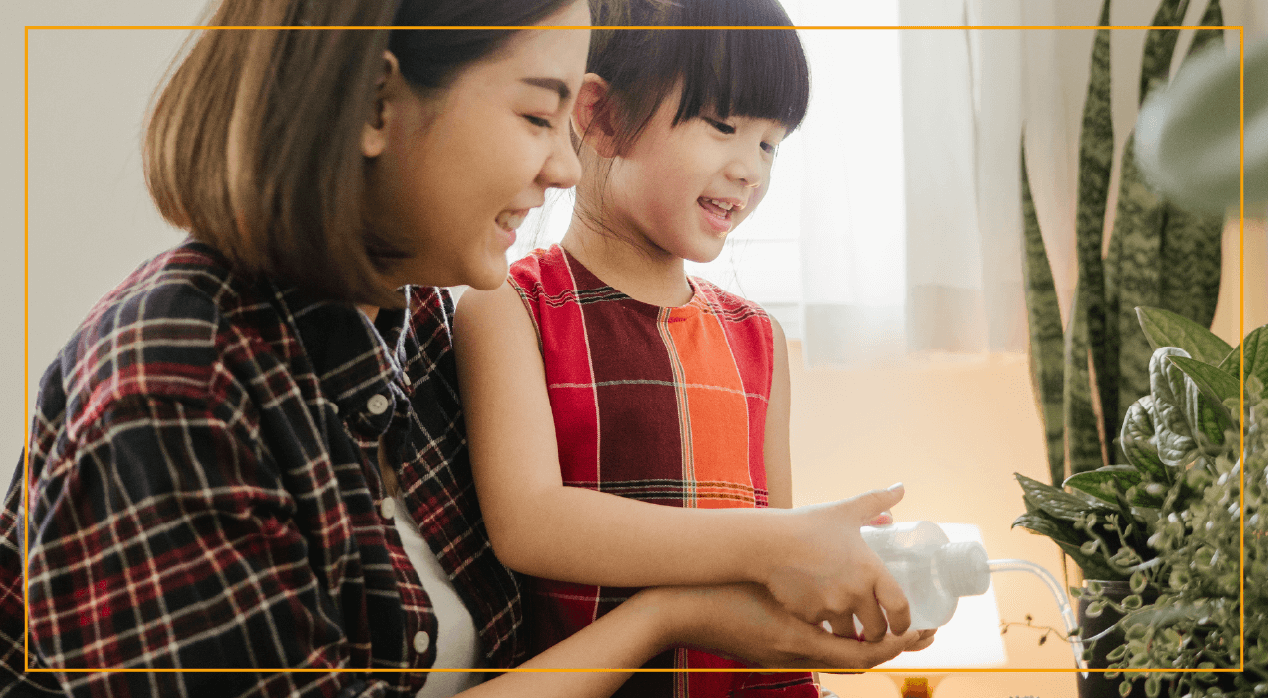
x=253 y=144
x=751 y=72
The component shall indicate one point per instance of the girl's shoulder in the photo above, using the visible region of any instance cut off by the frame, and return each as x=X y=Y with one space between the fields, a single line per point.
x=726 y=304
x=543 y=267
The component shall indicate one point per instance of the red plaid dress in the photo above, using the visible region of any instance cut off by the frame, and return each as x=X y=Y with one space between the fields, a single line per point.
x=663 y=405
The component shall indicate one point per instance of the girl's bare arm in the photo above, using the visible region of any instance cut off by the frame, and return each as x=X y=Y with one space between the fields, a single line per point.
x=812 y=558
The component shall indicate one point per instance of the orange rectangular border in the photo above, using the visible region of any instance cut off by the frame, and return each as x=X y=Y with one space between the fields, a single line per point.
x=25 y=457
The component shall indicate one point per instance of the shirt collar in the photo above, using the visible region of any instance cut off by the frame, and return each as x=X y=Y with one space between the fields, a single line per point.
x=355 y=360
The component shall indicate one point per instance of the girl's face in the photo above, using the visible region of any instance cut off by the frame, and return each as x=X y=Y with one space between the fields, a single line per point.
x=682 y=189
x=455 y=173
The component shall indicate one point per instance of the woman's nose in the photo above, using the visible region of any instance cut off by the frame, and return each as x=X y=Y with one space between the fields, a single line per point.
x=562 y=169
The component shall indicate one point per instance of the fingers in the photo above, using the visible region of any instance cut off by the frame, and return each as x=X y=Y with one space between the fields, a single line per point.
x=870 y=505
x=926 y=638
x=891 y=598
x=842 y=653
x=884 y=518
x=872 y=620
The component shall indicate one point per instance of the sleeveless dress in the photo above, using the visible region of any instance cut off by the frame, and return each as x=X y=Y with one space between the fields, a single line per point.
x=661 y=405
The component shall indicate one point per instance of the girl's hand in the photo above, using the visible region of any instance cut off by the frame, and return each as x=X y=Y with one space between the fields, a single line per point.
x=745 y=623
x=825 y=572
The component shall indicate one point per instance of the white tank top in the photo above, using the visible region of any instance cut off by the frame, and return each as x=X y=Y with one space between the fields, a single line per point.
x=457 y=646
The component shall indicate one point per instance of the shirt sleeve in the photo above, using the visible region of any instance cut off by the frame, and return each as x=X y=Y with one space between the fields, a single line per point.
x=162 y=539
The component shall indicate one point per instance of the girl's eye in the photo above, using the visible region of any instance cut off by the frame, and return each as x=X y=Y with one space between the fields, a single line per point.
x=721 y=127
x=768 y=147
x=537 y=121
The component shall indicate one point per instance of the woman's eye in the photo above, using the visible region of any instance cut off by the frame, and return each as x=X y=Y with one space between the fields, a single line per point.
x=537 y=121
x=721 y=127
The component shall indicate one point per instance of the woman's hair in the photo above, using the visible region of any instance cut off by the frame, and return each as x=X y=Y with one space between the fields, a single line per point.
x=254 y=143
x=759 y=73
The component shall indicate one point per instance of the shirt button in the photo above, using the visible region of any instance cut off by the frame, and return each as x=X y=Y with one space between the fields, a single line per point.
x=421 y=641
x=388 y=508
x=377 y=404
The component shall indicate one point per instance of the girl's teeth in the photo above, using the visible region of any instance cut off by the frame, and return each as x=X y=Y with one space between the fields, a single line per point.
x=720 y=204
x=510 y=221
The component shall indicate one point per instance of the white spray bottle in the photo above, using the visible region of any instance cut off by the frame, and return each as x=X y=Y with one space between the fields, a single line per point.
x=932 y=571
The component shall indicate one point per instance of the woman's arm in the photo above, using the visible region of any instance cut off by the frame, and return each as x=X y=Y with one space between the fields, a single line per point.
x=813 y=558
x=741 y=621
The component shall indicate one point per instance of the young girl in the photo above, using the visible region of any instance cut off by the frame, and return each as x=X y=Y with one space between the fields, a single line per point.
x=601 y=369
x=247 y=470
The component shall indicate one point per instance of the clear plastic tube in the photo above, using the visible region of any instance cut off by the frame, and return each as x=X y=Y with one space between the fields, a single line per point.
x=1058 y=593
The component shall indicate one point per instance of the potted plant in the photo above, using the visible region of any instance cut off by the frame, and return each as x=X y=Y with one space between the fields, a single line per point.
x=1185 y=612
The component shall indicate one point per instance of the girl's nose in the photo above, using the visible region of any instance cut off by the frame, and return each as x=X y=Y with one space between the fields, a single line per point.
x=562 y=169
x=746 y=169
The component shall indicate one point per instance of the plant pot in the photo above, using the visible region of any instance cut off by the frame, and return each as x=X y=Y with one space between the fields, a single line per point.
x=1096 y=685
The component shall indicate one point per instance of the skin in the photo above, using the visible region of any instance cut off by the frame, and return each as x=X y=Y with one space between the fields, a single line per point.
x=812 y=560
x=445 y=168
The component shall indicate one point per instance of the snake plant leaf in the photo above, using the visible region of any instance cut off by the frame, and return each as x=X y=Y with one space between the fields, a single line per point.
x=1043 y=316
x=1136 y=251
x=1160 y=45
x=1212 y=17
x=1164 y=328
x=1107 y=483
x=1085 y=334
x=1138 y=443
x=1255 y=351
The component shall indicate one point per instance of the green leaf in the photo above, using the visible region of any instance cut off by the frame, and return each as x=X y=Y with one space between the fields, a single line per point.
x=1085 y=335
x=1160 y=45
x=1216 y=384
x=1101 y=483
x=1167 y=329
x=1043 y=315
x=1213 y=17
x=1093 y=567
x=1043 y=524
x=1136 y=243
x=1083 y=434
x=1172 y=433
x=1137 y=440
x=1255 y=348
x=1056 y=503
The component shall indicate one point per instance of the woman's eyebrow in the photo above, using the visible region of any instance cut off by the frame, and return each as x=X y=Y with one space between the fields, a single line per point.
x=555 y=84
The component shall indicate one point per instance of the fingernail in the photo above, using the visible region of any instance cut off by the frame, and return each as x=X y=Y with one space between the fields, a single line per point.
x=895 y=486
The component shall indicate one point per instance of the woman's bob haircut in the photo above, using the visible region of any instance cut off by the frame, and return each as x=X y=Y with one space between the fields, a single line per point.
x=254 y=142
x=758 y=73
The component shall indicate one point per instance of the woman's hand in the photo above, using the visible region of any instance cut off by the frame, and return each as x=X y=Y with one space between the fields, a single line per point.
x=744 y=622
x=825 y=572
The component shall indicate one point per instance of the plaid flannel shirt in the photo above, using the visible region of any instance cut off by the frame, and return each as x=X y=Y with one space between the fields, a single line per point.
x=204 y=493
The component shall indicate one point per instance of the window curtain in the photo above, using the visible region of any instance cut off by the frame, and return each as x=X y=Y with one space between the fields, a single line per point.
x=911 y=212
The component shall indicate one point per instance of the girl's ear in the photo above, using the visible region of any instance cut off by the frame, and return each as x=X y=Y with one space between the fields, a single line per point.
x=374 y=135
x=592 y=116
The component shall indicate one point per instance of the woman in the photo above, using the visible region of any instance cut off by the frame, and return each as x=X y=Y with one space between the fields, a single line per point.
x=250 y=455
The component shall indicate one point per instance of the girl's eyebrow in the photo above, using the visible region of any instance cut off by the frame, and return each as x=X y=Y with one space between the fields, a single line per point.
x=555 y=84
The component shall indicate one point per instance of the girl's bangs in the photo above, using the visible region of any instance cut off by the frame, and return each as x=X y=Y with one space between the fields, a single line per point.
x=757 y=73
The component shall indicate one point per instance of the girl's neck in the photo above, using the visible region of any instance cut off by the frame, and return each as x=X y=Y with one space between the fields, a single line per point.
x=629 y=263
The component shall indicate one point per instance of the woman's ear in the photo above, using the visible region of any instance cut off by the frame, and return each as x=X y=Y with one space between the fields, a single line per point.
x=374 y=135
x=592 y=116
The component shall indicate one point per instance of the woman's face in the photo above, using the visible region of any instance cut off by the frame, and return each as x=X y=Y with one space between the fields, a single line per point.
x=452 y=175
